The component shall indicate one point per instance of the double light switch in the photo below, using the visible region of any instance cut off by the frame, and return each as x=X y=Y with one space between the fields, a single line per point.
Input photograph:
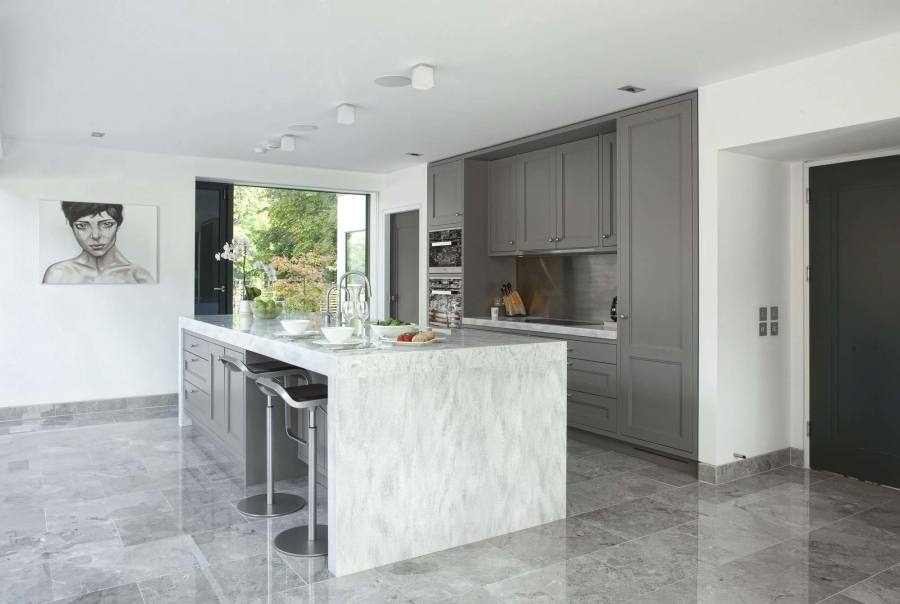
x=768 y=320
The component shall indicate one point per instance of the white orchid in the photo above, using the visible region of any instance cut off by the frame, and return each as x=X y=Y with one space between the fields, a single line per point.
x=240 y=250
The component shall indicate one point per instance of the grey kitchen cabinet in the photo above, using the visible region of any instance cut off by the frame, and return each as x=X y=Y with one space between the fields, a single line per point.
x=230 y=410
x=657 y=333
x=502 y=206
x=536 y=199
x=578 y=195
x=609 y=214
x=446 y=194
x=591 y=412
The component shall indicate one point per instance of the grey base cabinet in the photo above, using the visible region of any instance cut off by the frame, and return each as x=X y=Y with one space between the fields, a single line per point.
x=231 y=411
x=657 y=242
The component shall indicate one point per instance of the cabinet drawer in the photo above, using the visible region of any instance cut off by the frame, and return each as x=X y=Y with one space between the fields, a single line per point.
x=591 y=411
x=598 y=352
x=195 y=345
x=592 y=378
x=197 y=370
x=196 y=402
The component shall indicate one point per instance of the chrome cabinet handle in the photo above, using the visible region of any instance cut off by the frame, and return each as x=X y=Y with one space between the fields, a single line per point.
x=557 y=239
x=190 y=391
x=192 y=360
x=459 y=213
x=194 y=345
x=570 y=363
x=604 y=236
x=510 y=242
x=622 y=317
x=549 y=239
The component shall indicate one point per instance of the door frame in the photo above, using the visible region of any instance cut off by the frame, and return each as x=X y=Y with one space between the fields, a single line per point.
x=384 y=256
x=837 y=159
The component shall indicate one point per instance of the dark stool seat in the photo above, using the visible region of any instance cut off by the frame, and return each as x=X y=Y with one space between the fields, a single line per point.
x=269 y=504
x=309 y=540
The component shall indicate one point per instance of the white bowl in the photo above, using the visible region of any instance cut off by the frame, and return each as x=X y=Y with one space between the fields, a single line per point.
x=337 y=335
x=391 y=331
x=295 y=327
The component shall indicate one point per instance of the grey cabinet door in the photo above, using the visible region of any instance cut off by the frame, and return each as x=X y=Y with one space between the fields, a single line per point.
x=578 y=194
x=233 y=424
x=536 y=199
x=609 y=213
x=657 y=325
x=502 y=206
x=445 y=193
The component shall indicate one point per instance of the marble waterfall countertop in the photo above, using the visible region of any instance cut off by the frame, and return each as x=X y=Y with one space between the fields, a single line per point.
x=588 y=331
x=429 y=447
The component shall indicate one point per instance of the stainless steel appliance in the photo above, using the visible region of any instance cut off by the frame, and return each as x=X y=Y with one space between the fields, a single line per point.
x=445 y=301
x=445 y=251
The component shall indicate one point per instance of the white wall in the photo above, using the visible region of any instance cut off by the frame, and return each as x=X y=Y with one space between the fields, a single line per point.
x=854 y=85
x=403 y=190
x=752 y=413
x=69 y=343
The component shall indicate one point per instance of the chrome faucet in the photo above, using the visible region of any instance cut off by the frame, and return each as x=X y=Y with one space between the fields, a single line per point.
x=341 y=287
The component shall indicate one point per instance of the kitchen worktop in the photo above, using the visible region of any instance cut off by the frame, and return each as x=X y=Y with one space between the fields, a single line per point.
x=585 y=330
x=415 y=435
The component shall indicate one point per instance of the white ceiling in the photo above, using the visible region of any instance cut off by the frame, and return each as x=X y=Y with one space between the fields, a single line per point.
x=217 y=77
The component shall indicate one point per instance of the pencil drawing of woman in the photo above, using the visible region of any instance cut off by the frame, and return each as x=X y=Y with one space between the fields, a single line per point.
x=95 y=226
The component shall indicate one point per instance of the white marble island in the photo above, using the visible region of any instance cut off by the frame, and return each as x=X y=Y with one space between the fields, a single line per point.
x=430 y=447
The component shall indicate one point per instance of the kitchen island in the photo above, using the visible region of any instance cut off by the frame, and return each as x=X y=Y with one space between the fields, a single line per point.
x=429 y=447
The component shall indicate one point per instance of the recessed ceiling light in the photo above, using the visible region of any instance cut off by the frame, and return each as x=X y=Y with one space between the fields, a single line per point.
x=413 y=154
x=346 y=114
x=632 y=89
x=303 y=127
x=393 y=81
x=288 y=143
x=96 y=134
x=423 y=77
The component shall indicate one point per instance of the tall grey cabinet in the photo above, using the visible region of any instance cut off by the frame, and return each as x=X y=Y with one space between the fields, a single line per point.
x=502 y=206
x=657 y=343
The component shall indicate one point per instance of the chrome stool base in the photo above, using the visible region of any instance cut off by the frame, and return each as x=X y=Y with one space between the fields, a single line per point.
x=295 y=542
x=282 y=505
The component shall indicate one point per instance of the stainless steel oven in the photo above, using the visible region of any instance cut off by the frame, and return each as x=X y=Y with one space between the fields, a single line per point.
x=445 y=251
x=445 y=301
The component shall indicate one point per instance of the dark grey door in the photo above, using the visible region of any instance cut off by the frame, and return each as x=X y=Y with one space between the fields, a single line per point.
x=578 y=194
x=657 y=326
x=502 y=206
x=854 y=285
x=536 y=199
x=609 y=212
x=213 y=219
x=404 y=269
x=445 y=193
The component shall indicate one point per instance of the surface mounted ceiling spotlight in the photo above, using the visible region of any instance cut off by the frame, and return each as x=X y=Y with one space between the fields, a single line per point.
x=288 y=143
x=346 y=114
x=423 y=77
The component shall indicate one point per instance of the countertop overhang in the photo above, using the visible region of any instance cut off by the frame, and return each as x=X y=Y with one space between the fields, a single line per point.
x=587 y=331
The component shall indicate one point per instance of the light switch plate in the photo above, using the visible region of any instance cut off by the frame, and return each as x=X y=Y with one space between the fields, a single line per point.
x=773 y=313
x=773 y=328
x=762 y=313
x=762 y=328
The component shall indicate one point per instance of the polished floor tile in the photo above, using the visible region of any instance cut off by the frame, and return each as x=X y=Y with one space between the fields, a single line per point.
x=138 y=510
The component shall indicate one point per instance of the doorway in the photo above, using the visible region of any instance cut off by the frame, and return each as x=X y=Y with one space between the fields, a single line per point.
x=854 y=229
x=213 y=219
x=404 y=266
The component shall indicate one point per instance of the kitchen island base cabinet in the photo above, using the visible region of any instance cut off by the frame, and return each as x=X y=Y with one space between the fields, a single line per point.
x=229 y=410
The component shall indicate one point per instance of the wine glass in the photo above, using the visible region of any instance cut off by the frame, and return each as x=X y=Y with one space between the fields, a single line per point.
x=362 y=312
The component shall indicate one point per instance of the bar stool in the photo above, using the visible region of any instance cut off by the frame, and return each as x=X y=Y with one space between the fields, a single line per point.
x=269 y=504
x=309 y=540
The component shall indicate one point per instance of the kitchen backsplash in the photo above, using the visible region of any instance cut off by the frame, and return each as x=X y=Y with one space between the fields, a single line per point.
x=578 y=288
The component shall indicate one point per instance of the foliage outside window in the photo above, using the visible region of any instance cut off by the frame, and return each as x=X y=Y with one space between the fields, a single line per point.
x=355 y=242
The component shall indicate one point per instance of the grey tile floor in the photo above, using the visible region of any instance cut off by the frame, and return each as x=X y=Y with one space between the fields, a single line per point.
x=142 y=511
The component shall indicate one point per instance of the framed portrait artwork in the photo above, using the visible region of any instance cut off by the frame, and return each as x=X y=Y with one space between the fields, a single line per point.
x=85 y=243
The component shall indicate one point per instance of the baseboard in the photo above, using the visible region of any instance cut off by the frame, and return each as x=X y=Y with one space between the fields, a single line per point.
x=23 y=412
x=797 y=457
x=742 y=468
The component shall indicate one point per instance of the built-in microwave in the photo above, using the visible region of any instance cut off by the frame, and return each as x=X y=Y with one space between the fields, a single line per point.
x=445 y=301
x=445 y=251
